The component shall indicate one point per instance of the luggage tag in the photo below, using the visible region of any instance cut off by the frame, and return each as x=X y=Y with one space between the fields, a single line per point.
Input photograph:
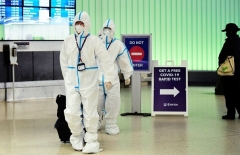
x=81 y=66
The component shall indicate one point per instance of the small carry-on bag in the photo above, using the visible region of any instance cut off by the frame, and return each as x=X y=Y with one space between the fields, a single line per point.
x=61 y=125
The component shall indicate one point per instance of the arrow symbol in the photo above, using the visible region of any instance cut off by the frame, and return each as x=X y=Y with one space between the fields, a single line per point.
x=173 y=91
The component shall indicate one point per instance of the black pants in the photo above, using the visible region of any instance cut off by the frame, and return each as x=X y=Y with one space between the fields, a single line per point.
x=231 y=89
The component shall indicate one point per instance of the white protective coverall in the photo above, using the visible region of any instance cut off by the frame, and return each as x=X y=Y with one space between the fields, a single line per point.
x=109 y=100
x=82 y=86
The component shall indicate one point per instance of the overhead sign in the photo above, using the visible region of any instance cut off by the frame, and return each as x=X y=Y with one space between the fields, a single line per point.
x=169 y=90
x=139 y=47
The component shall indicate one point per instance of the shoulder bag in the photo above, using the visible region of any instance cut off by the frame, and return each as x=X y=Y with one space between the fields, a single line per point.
x=227 y=68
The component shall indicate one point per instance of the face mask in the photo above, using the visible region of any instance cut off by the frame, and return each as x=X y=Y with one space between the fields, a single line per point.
x=79 y=28
x=106 y=32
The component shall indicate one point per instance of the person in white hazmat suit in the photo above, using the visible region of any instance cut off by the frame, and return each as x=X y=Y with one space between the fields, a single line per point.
x=109 y=100
x=80 y=70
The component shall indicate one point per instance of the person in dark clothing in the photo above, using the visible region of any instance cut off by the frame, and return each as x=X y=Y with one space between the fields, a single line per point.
x=231 y=84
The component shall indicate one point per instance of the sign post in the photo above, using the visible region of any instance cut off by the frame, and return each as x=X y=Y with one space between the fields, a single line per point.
x=170 y=90
x=139 y=47
x=13 y=62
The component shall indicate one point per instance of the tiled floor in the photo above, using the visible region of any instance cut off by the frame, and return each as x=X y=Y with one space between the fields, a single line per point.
x=27 y=128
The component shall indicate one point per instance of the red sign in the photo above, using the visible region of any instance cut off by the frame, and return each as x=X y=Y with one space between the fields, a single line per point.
x=137 y=53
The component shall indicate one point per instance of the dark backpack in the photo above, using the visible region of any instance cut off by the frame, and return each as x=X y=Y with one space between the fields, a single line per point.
x=61 y=125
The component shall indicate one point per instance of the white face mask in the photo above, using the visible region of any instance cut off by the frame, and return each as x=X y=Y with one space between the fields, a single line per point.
x=106 y=32
x=79 y=28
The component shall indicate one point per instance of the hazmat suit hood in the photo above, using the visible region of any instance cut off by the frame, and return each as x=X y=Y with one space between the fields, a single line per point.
x=109 y=24
x=83 y=17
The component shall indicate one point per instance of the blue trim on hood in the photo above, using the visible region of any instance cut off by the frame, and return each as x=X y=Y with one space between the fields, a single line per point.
x=80 y=14
x=108 y=23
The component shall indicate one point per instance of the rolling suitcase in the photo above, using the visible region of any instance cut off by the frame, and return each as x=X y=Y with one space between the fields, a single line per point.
x=61 y=125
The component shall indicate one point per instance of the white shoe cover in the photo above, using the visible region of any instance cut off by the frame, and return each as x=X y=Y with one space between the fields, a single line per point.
x=77 y=142
x=91 y=147
x=112 y=129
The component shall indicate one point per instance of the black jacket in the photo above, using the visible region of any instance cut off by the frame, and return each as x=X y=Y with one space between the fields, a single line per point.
x=231 y=47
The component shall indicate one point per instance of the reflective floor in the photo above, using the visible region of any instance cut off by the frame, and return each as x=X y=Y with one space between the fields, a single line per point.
x=27 y=128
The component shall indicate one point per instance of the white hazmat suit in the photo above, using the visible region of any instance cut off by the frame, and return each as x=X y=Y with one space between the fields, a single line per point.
x=109 y=100
x=82 y=86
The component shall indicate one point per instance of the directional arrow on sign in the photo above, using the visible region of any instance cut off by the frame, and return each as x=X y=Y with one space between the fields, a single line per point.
x=173 y=91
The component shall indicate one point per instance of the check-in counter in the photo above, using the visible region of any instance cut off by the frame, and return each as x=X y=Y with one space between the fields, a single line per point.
x=38 y=73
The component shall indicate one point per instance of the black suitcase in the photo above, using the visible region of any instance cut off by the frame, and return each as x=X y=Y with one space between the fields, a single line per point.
x=61 y=125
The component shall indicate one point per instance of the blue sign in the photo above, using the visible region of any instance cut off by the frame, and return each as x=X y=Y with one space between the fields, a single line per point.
x=63 y=3
x=42 y=3
x=10 y=11
x=170 y=92
x=27 y=10
x=139 y=47
x=11 y=2
x=32 y=13
x=63 y=12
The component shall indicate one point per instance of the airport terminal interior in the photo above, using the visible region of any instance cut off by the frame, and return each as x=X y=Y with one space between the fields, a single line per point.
x=160 y=33
x=27 y=128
